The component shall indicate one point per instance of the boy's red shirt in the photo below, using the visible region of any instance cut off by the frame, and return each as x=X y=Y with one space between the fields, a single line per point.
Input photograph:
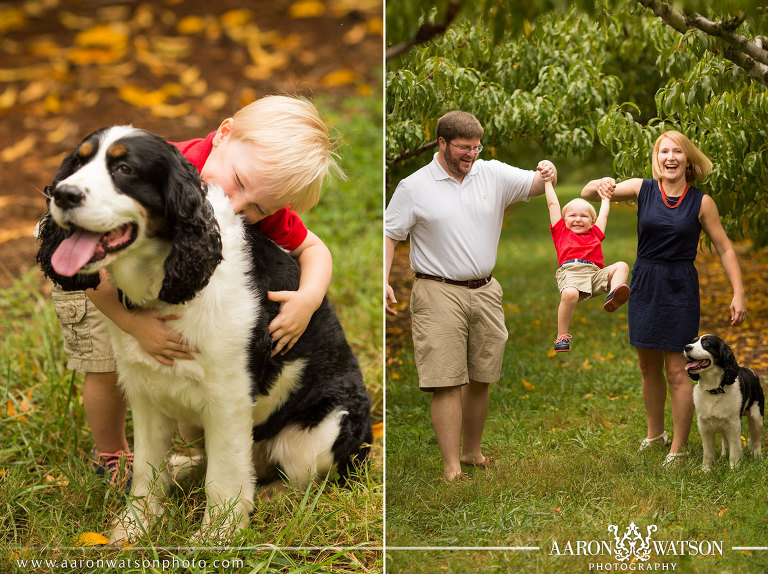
x=570 y=245
x=284 y=227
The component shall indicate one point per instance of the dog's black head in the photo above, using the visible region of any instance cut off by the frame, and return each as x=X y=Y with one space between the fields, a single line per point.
x=709 y=351
x=121 y=188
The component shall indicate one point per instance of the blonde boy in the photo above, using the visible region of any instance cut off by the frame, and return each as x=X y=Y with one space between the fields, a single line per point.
x=577 y=235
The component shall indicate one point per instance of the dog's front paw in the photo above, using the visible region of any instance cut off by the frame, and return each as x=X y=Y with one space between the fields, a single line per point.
x=706 y=467
x=130 y=525
x=126 y=532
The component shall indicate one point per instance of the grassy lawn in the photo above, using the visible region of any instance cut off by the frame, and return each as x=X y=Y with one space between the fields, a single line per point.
x=49 y=495
x=565 y=430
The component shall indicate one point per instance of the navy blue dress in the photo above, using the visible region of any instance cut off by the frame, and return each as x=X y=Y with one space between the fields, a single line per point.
x=664 y=302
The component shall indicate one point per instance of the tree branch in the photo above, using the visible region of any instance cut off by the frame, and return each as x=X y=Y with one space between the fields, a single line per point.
x=426 y=32
x=750 y=56
x=407 y=154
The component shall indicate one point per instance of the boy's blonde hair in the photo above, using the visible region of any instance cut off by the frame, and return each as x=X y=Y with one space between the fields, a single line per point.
x=700 y=165
x=583 y=203
x=294 y=151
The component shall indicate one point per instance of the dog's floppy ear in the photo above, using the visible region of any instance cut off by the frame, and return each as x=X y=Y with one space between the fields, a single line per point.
x=195 y=239
x=727 y=363
x=50 y=236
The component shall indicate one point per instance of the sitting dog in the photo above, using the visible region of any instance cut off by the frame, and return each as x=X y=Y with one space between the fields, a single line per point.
x=127 y=201
x=725 y=391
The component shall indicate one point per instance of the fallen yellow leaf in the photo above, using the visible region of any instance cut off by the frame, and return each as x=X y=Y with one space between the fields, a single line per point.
x=722 y=512
x=91 y=539
x=306 y=9
x=355 y=35
x=343 y=77
x=114 y=36
x=378 y=430
x=215 y=100
x=8 y=97
x=375 y=26
x=235 y=18
x=190 y=25
x=11 y=19
x=528 y=385
x=19 y=149
x=171 y=111
x=94 y=55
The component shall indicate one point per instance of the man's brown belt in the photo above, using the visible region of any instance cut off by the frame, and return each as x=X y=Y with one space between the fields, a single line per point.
x=472 y=283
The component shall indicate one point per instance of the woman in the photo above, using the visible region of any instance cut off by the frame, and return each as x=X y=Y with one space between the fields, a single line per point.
x=664 y=302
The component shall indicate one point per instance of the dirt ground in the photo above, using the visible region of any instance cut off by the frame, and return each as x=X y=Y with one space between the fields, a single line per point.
x=174 y=67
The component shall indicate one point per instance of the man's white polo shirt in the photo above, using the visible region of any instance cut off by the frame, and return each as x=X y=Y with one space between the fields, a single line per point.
x=455 y=227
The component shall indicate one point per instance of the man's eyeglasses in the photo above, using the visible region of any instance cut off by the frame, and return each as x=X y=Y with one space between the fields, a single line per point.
x=467 y=148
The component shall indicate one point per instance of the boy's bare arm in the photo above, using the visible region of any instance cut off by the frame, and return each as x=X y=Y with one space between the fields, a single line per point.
x=602 y=217
x=552 y=203
x=144 y=325
x=297 y=307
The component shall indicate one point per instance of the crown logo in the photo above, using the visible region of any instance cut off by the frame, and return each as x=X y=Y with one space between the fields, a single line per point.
x=632 y=543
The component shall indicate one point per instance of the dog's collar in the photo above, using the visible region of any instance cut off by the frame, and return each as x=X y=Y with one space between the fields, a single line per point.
x=127 y=304
x=718 y=391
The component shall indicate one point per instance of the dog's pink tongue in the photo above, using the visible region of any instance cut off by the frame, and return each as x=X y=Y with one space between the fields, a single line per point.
x=74 y=252
x=693 y=365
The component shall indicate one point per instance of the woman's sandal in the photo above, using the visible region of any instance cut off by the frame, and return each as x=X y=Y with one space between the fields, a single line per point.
x=661 y=440
x=671 y=459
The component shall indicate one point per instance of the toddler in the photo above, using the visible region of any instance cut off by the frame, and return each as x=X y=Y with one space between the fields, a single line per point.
x=577 y=235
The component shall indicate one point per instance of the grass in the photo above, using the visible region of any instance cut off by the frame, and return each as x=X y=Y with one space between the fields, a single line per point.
x=565 y=430
x=49 y=495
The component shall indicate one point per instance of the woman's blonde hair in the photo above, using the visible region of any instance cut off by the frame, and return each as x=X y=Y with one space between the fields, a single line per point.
x=699 y=165
x=293 y=149
x=583 y=203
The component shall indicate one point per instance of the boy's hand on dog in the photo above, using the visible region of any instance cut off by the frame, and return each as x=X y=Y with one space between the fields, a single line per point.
x=292 y=320
x=157 y=339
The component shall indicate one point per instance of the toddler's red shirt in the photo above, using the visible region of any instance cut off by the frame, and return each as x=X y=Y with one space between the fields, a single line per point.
x=570 y=245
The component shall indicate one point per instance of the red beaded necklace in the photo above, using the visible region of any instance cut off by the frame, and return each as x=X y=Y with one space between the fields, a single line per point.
x=667 y=201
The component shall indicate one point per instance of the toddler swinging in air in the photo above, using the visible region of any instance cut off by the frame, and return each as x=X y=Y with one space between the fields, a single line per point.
x=577 y=234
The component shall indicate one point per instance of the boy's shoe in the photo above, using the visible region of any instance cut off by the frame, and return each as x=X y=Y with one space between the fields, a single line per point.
x=563 y=343
x=115 y=467
x=616 y=298
x=661 y=440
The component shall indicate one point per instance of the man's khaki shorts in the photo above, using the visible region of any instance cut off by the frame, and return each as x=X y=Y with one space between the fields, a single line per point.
x=86 y=337
x=589 y=279
x=458 y=333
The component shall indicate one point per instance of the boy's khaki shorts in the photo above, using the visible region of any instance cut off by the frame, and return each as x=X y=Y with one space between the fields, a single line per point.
x=86 y=337
x=589 y=279
x=458 y=333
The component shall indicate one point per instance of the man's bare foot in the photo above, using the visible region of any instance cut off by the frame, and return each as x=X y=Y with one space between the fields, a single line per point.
x=455 y=477
x=482 y=460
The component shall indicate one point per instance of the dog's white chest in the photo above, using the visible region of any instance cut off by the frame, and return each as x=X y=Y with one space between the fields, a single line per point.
x=718 y=407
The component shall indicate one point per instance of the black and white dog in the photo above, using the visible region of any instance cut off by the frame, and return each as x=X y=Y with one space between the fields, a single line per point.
x=725 y=391
x=127 y=201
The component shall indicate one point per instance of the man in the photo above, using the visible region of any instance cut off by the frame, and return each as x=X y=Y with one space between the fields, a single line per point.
x=453 y=209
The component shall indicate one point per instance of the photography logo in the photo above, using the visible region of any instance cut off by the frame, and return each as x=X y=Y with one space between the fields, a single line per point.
x=632 y=550
x=632 y=543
